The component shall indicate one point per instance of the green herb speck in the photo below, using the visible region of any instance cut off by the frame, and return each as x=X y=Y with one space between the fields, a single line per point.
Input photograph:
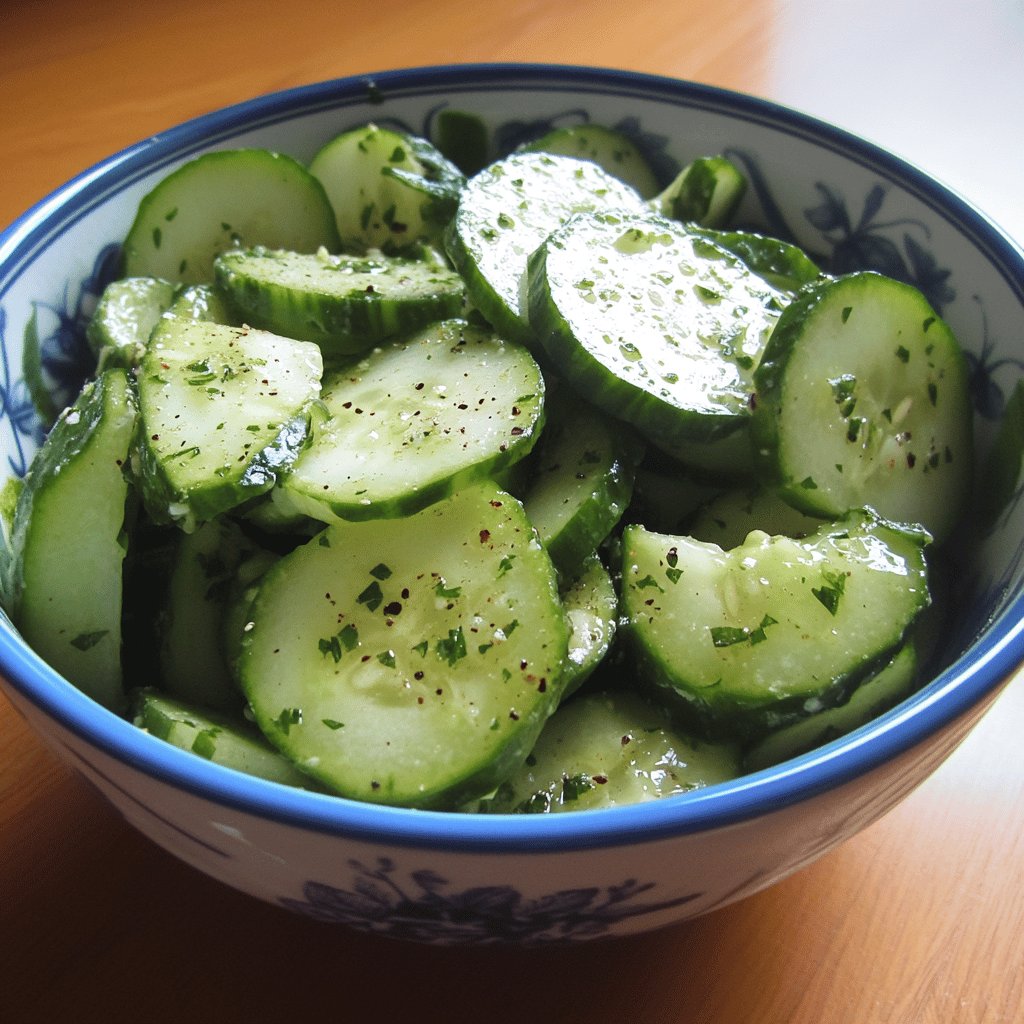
x=371 y=596
x=288 y=718
x=84 y=641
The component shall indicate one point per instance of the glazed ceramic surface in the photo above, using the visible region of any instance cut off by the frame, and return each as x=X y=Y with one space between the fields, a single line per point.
x=461 y=878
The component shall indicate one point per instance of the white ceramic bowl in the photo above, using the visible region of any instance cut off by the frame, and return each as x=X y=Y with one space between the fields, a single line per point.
x=459 y=878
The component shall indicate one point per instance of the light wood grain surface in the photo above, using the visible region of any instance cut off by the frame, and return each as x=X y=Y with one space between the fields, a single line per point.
x=918 y=919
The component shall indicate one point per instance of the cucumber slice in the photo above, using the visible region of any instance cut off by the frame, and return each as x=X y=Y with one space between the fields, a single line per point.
x=591 y=611
x=415 y=421
x=69 y=608
x=192 y=663
x=223 y=200
x=389 y=189
x=582 y=481
x=706 y=191
x=874 y=696
x=604 y=749
x=422 y=655
x=223 y=411
x=345 y=304
x=882 y=378
x=783 y=265
x=750 y=639
x=657 y=326
x=226 y=741
x=506 y=211
x=204 y=302
x=729 y=518
x=124 y=319
x=240 y=595
x=609 y=149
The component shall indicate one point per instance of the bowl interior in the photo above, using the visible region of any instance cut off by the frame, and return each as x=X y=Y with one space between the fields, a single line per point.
x=846 y=201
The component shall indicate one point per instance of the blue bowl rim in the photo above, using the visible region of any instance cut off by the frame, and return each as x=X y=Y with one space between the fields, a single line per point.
x=970 y=680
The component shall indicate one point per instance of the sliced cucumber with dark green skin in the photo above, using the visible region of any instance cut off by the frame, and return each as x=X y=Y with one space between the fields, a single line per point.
x=581 y=482
x=706 y=191
x=223 y=411
x=783 y=265
x=657 y=326
x=881 y=377
x=506 y=211
x=775 y=629
x=415 y=421
x=605 y=749
x=125 y=316
x=345 y=304
x=728 y=519
x=609 y=149
x=409 y=661
x=876 y=695
x=389 y=189
x=225 y=740
x=591 y=610
x=69 y=608
x=192 y=662
x=225 y=200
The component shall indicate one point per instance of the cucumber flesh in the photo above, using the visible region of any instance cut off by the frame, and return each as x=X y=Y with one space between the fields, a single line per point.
x=657 y=326
x=345 y=304
x=884 y=690
x=783 y=265
x=776 y=629
x=416 y=420
x=204 y=302
x=224 y=740
x=506 y=211
x=604 y=749
x=224 y=200
x=125 y=316
x=881 y=376
x=223 y=411
x=582 y=481
x=729 y=518
x=192 y=663
x=388 y=189
x=74 y=500
x=609 y=149
x=404 y=683
x=706 y=191
x=591 y=611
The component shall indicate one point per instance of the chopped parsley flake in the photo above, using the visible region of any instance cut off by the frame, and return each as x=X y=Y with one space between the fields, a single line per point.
x=443 y=590
x=452 y=648
x=288 y=718
x=372 y=597
x=84 y=641
x=830 y=594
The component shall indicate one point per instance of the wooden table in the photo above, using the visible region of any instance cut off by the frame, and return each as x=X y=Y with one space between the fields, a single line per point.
x=918 y=919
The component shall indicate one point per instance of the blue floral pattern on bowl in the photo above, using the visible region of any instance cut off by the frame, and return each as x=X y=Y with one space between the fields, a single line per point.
x=422 y=907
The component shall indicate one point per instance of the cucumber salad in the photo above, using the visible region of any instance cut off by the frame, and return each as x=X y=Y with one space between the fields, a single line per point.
x=544 y=489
